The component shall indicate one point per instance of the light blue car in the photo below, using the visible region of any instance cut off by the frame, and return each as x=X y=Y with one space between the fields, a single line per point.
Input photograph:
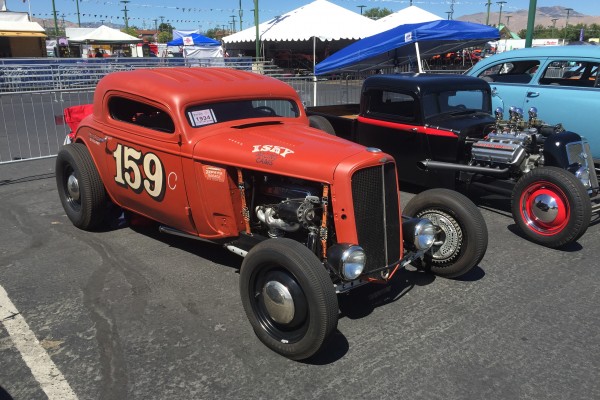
x=562 y=82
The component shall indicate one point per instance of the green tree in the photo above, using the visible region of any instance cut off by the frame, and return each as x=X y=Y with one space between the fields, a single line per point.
x=164 y=37
x=376 y=12
x=132 y=30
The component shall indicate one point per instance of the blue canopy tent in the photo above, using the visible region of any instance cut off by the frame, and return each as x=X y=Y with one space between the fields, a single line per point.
x=198 y=39
x=395 y=46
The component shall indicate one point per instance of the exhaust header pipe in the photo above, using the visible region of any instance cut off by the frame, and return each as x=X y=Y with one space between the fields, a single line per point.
x=430 y=165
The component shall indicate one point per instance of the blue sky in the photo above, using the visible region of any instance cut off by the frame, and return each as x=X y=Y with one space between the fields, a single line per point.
x=188 y=14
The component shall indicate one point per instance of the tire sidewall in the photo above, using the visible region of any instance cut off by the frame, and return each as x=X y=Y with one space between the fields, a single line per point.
x=470 y=221
x=577 y=201
x=316 y=334
x=64 y=159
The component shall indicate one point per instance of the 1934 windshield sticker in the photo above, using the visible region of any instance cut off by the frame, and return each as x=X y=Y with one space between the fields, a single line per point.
x=202 y=117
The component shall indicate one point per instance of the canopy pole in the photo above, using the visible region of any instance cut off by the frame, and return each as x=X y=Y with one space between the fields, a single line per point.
x=418 y=57
x=314 y=76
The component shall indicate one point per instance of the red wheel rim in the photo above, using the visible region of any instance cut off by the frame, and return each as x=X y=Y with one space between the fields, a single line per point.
x=545 y=208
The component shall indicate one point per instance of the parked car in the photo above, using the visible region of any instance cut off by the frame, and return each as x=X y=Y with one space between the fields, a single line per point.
x=228 y=157
x=441 y=131
x=562 y=82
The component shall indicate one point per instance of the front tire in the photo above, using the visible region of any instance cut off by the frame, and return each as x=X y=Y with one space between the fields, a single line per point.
x=80 y=187
x=551 y=206
x=462 y=241
x=288 y=297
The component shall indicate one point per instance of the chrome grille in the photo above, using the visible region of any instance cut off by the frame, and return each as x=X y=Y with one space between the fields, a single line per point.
x=375 y=199
x=580 y=153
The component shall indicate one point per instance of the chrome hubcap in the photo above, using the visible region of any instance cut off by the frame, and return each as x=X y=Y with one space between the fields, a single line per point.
x=278 y=302
x=448 y=242
x=545 y=208
x=73 y=187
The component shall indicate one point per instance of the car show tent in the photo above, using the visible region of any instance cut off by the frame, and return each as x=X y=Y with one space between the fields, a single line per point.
x=408 y=15
x=321 y=26
x=197 y=46
x=405 y=43
x=104 y=35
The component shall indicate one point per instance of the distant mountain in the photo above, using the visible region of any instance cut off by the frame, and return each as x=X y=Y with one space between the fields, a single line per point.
x=543 y=16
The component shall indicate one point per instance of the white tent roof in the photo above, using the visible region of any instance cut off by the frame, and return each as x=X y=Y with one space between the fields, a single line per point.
x=104 y=34
x=408 y=15
x=320 y=19
x=18 y=22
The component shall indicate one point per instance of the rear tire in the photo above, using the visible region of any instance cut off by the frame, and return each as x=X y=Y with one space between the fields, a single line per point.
x=321 y=123
x=80 y=188
x=288 y=297
x=463 y=239
x=551 y=206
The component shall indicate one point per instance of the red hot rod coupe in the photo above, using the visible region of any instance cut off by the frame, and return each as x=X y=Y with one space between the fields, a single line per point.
x=228 y=157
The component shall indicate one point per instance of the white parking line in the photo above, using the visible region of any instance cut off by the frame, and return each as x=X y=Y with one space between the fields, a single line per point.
x=49 y=377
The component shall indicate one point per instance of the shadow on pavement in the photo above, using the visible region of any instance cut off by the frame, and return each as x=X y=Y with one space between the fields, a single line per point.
x=4 y=394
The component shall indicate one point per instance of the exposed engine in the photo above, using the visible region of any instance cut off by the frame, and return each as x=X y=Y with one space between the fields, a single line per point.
x=514 y=143
x=286 y=206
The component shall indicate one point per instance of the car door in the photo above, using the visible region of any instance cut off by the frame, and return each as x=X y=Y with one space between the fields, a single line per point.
x=143 y=162
x=567 y=92
x=511 y=80
x=392 y=122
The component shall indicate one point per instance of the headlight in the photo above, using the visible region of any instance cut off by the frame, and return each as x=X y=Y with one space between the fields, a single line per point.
x=419 y=233
x=583 y=174
x=349 y=260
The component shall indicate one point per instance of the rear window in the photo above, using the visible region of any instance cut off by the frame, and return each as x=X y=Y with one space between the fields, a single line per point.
x=140 y=114
x=208 y=114
x=571 y=73
x=391 y=105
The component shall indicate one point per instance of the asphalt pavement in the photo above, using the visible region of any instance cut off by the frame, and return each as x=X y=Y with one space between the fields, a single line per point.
x=129 y=313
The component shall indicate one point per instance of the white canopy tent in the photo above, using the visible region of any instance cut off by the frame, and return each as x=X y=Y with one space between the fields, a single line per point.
x=408 y=15
x=105 y=35
x=317 y=20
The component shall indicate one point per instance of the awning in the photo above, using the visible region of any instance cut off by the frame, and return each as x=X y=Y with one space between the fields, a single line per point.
x=21 y=34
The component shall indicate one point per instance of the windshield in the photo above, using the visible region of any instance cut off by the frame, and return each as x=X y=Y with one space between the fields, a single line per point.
x=456 y=102
x=208 y=114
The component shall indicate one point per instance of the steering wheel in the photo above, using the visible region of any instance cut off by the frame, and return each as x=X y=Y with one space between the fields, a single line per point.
x=266 y=110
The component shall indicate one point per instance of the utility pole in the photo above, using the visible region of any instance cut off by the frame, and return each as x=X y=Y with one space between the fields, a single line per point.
x=55 y=19
x=530 y=23
x=101 y=22
x=487 y=18
x=500 y=15
x=125 y=10
x=567 y=23
x=554 y=25
x=361 y=8
x=451 y=10
x=156 y=26
x=449 y=13
x=232 y=23
x=78 y=19
x=241 y=13
x=256 y=27
x=508 y=19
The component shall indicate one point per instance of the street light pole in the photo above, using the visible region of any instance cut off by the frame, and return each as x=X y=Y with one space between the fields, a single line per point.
x=554 y=25
x=361 y=8
x=125 y=10
x=55 y=19
x=257 y=39
x=487 y=18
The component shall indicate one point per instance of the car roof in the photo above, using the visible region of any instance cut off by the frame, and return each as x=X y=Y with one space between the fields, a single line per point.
x=177 y=87
x=424 y=82
x=547 y=51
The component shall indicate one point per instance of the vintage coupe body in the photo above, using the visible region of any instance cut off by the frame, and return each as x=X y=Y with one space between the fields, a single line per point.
x=441 y=131
x=228 y=157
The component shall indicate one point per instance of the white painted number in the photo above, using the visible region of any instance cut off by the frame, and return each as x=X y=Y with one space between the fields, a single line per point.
x=129 y=174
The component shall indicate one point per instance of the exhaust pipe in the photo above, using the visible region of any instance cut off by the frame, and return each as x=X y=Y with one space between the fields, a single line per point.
x=430 y=165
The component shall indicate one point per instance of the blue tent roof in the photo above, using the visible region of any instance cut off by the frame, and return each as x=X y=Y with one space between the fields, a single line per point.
x=395 y=46
x=199 y=40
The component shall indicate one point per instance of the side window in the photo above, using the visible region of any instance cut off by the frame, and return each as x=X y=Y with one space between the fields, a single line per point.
x=392 y=105
x=571 y=73
x=142 y=114
x=511 y=72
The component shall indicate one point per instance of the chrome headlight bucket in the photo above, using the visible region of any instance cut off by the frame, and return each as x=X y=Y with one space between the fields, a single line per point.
x=583 y=174
x=419 y=233
x=348 y=260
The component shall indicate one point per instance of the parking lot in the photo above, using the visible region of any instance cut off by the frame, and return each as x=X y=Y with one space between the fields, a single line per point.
x=131 y=313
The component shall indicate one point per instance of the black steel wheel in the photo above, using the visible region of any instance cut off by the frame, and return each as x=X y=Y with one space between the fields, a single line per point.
x=551 y=206
x=288 y=297
x=80 y=188
x=321 y=123
x=462 y=237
